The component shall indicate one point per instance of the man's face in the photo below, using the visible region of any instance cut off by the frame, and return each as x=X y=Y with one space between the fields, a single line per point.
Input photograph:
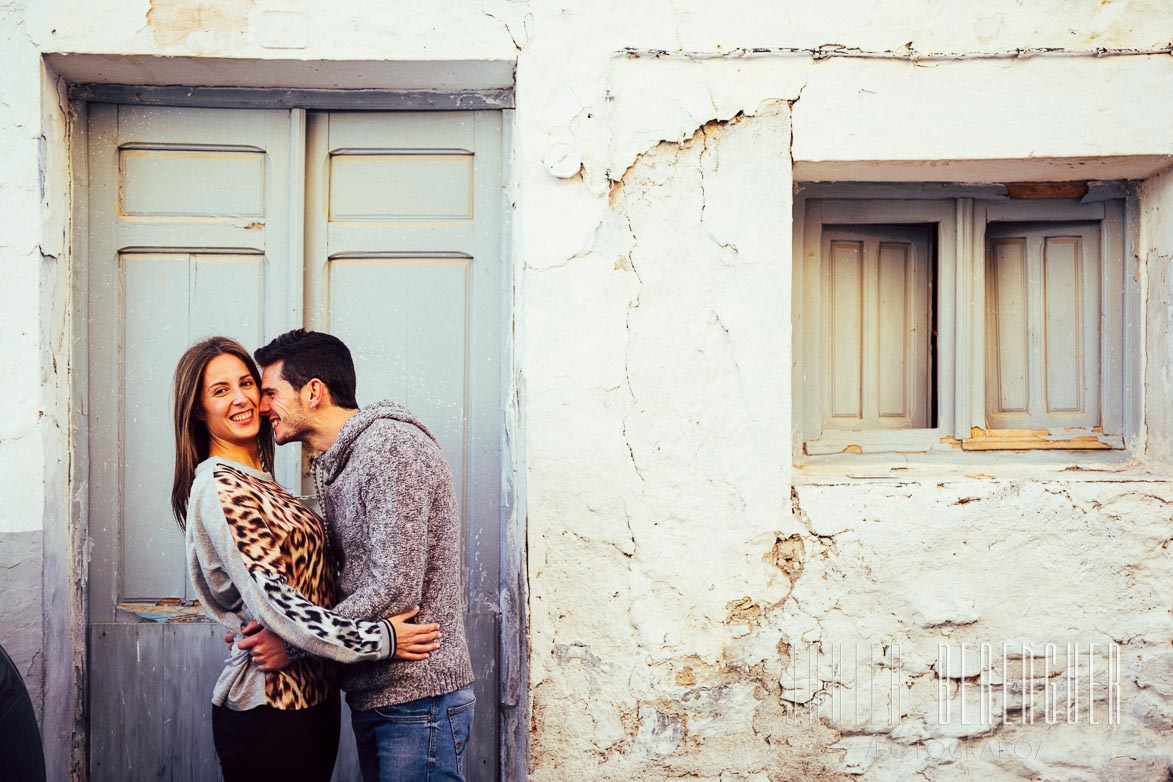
x=283 y=406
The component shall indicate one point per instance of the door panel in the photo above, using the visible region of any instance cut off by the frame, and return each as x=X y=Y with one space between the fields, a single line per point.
x=232 y=182
x=409 y=347
x=401 y=186
x=403 y=264
x=205 y=294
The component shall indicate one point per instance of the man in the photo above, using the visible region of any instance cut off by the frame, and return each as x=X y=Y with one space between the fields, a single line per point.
x=391 y=509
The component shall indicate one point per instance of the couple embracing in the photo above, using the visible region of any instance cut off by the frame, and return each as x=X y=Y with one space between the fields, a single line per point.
x=375 y=586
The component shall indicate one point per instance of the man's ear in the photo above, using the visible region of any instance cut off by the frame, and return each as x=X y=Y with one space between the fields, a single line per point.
x=317 y=395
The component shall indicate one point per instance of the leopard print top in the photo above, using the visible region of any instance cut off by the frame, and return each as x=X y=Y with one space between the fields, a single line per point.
x=279 y=537
x=256 y=551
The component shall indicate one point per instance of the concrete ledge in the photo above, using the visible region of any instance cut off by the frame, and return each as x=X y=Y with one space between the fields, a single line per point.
x=431 y=75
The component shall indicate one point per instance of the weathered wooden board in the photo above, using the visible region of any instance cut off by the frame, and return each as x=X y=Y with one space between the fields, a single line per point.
x=150 y=701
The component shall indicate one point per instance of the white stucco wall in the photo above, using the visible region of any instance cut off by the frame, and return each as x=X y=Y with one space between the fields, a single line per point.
x=677 y=562
x=21 y=449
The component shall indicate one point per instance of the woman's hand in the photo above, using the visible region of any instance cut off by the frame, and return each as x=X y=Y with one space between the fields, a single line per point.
x=412 y=641
x=265 y=648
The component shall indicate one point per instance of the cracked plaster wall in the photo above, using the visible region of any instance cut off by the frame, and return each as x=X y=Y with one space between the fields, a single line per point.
x=673 y=570
x=669 y=588
x=996 y=561
x=34 y=300
x=21 y=238
x=645 y=660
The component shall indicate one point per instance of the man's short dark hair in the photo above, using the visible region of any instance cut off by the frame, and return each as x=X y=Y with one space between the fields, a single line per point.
x=310 y=354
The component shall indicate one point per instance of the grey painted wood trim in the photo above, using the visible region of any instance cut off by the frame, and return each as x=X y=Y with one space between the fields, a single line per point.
x=64 y=721
x=315 y=306
x=148 y=249
x=798 y=316
x=901 y=190
x=811 y=315
x=192 y=147
x=968 y=346
x=894 y=441
x=1132 y=400
x=253 y=97
x=513 y=576
x=1114 y=326
x=1106 y=191
x=287 y=314
x=1043 y=209
x=1097 y=190
x=944 y=256
x=361 y=255
x=383 y=152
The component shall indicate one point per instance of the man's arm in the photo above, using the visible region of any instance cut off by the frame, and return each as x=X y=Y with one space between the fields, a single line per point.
x=271 y=653
x=264 y=589
x=396 y=484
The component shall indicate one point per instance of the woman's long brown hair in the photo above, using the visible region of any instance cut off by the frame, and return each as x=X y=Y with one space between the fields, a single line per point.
x=191 y=433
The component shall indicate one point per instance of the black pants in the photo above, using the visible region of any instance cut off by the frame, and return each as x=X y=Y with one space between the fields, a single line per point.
x=267 y=743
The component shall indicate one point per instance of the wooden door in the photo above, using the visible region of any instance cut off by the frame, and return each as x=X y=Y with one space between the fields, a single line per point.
x=196 y=225
x=402 y=264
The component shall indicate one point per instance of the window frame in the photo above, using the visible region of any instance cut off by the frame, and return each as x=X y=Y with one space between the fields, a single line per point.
x=961 y=213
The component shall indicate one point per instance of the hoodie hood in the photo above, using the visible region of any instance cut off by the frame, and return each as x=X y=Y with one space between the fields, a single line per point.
x=332 y=461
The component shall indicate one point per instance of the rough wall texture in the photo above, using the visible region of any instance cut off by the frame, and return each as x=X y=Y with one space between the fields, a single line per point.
x=31 y=239
x=678 y=578
x=20 y=263
x=975 y=561
x=20 y=608
x=641 y=629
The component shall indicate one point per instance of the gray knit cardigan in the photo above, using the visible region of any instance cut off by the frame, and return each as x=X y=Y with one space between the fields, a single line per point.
x=392 y=512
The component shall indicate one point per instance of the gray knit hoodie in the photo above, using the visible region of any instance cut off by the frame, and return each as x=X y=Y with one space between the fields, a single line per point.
x=395 y=527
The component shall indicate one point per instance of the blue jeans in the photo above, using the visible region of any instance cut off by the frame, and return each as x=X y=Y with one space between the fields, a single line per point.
x=417 y=741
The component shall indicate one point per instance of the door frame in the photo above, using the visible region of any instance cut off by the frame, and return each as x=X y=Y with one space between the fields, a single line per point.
x=65 y=724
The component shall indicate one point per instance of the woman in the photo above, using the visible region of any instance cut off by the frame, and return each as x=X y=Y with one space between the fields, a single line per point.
x=255 y=552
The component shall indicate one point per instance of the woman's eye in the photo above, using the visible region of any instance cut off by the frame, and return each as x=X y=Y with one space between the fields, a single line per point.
x=247 y=384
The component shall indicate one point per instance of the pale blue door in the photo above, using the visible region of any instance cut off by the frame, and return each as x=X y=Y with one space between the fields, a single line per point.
x=383 y=228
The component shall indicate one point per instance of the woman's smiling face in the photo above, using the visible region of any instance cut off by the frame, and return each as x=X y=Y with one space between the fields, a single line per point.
x=231 y=399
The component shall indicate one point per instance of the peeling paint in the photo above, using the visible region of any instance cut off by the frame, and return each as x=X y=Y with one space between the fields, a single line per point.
x=787 y=555
x=176 y=22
